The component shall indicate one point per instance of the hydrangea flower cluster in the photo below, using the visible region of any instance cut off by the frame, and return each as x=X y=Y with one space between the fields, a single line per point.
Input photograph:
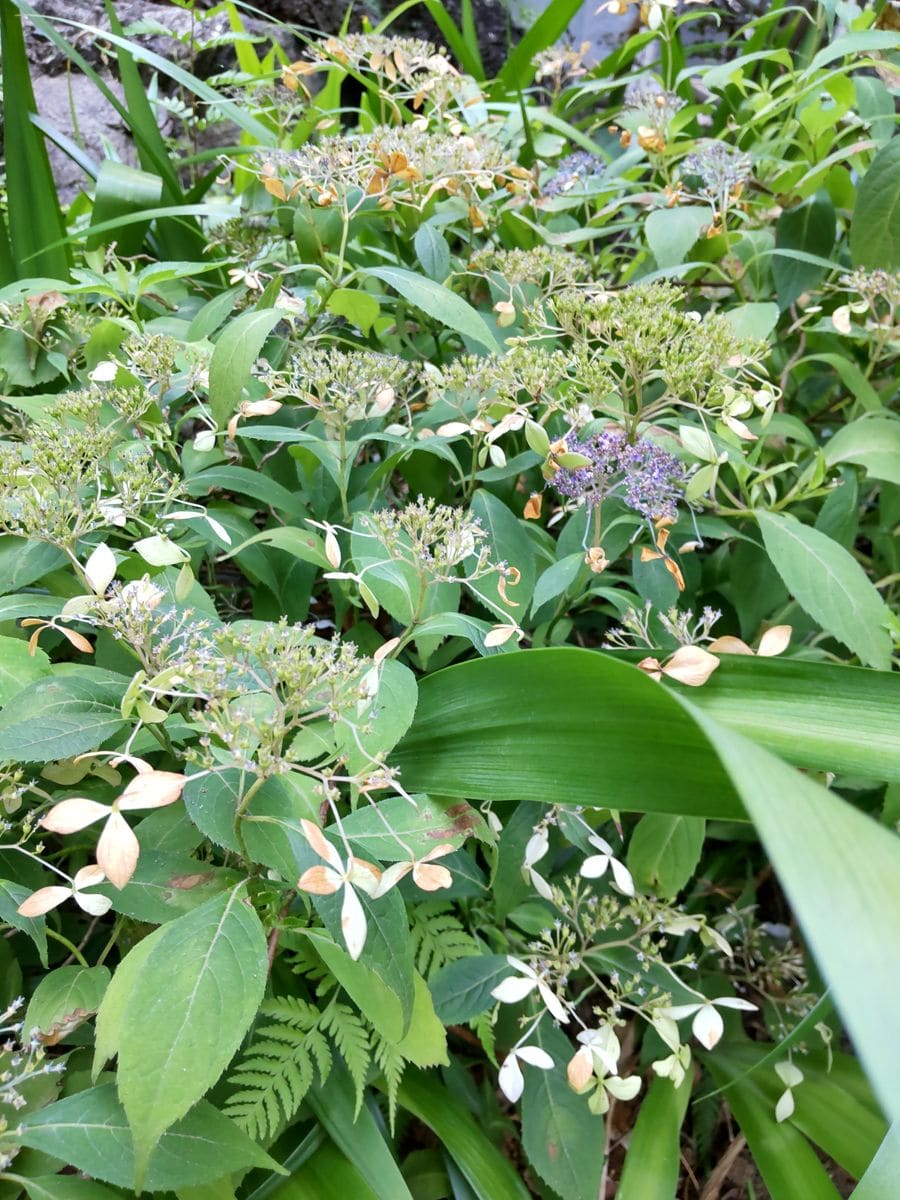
x=573 y=170
x=649 y=479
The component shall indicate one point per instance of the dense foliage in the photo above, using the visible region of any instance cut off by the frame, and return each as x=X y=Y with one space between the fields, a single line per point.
x=448 y=740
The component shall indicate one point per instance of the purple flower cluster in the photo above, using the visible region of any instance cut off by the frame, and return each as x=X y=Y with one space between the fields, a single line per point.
x=571 y=170
x=648 y=479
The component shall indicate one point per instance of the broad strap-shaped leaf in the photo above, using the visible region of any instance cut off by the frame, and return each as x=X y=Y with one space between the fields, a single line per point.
x=488 y=1172
x=653 y=1159
x=591 y=729
x=357 y=1135
x=816 y=715
x=190 y=1004
x=841 y=872
x=571 y=727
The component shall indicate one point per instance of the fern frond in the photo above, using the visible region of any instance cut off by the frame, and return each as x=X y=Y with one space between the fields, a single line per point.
x=437 y=938
x=277 y=1070
x=392 y=1063
x=483 y=1028
x=352 y=1040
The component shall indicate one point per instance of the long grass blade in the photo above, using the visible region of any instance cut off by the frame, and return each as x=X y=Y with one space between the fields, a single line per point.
x=36 y=226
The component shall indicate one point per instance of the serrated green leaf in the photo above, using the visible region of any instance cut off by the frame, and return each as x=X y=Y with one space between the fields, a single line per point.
x=61 y=993
x=62 y=716
x=664 y=851
x=830 y=585
x=190 y=1005
x=89 y=1131
x=561 y=1136
x=875 y=225
x=233 y=357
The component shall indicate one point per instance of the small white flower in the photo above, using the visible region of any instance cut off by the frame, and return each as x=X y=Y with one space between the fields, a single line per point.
x=511 y=1079
x=708 y=1026
x=516 y=987
x=598 y=1055
x=537 y=846
x=595 y=866
x=100 y=569
x=44 y=899
x=328 y=879
x=791 y=1076
x=104 y=372
x=612 y=1085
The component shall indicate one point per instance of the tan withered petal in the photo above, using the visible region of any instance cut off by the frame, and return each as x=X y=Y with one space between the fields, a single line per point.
x=332 y=549
x=652 y=667
x=775 y=641
x=76 y=639
x=533 y=507
x=319 y=842
x=69 y=816
x=580 y=1070
x=691 y=665
x=383 y=651
x=501 y=590
x=430 y=878
x=117 y=850
x=153 y=789
x=43 y=900
x=675 y=571
x=320 y=881
x=596 y=559
x=729 y=645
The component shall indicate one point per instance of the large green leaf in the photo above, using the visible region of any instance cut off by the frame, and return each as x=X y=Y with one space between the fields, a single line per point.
x=561 y=1136
x=882 y=1173
x=233 y=358
x=816 y=715
x=828 y=582
x=61 y=994
x=873 y=442
x=875 y=227
x=653 y=1161
x=575 y=727
x=490 y=1174
x=841 y=872
x=593 y=731
x=61 y=716
x=438 y=302
x=190 y=1004
x=89 y=1131
x=18 y=667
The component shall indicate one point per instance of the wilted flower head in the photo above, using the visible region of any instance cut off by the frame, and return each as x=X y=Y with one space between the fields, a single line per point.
x=722 y=169
x=403 y=164
x=647 y=478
